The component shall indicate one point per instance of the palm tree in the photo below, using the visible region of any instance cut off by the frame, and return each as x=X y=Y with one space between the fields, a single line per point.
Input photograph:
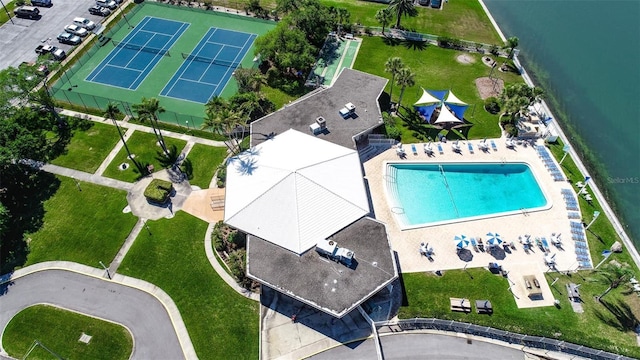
x=149 y=109
x=512 y=43
x=613 y=275
x=215 y=104
x=111 y=112
x=401 y=8
x=383 y=16
x=393 y=66
x=342 y=17
x=405 y=78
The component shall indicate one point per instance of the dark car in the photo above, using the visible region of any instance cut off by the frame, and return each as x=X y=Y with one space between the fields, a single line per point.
x=99 y=10
x=67 y=38
x=436 y=4
x=28 y=12
x=45 y=3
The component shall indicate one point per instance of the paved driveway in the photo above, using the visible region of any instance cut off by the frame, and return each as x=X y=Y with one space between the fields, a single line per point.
x=19 y=40
x=423 y=346
x=146 y=318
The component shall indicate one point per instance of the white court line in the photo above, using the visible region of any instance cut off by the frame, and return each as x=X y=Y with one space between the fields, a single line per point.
x=198 y=82
x=234 y=60
x=187 y=66
x=171 y=41
x=112 y=54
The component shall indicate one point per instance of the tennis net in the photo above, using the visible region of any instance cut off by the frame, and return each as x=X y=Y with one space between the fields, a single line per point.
x=129 y=46
x=207 y=60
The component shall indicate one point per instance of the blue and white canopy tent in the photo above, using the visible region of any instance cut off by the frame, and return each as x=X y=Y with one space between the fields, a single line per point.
x=427 y=104
x=457 y=106
x=447 y=116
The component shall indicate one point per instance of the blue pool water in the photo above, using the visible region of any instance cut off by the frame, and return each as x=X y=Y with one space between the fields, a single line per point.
x=423 y=194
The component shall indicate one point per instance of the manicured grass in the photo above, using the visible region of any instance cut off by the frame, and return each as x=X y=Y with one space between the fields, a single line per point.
x=435 y=68
x=59 y=330
x=89 y=147
x=204 y=161
x=465 y=20
x=279 y=97
x=9 y=7
x=144 y=147
x=428 y=296
x=85 y=226
x=221 y=323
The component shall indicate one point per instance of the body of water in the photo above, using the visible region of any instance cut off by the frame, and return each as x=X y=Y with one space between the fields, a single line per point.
x=586 y=56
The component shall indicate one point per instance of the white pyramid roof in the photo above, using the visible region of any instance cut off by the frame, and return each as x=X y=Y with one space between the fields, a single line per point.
x=446 y=116
x=452 y=99
x=426 y=98
x=294 y=190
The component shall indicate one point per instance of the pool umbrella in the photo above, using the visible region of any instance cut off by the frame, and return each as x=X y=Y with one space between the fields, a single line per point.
x=461 y=241
x=494 y=239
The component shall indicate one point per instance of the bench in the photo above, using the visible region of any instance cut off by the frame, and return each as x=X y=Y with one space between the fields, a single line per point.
x=457 y=304
x=484 y=307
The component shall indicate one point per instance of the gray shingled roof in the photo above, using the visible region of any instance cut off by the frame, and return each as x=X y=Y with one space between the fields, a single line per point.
x=356 y=87
x=329 y=286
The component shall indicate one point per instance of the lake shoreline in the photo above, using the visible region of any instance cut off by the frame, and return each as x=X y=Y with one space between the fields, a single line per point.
x=611 y=215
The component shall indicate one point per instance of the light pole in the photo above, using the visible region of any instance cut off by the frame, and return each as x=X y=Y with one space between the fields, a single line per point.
x=7 y=11
x=105 y=269
x=187 y=121
x=147 y=227
x=77 y=183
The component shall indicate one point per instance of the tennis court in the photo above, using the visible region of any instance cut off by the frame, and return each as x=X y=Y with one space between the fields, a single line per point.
x=133 y=58
x=182 y=56
x=208 y=68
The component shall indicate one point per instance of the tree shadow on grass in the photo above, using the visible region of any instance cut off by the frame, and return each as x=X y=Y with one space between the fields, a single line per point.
x=416 y=123
x=625 y=319
x=415 y=44
x=27 y=189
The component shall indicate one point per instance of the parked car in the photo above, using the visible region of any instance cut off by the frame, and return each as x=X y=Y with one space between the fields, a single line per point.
x=76 y=30
x=99 y=10
x=45 y=3
x=107 y=3
x=68 y=38
x=28 y=12
x=84 y=22
x=57 y=54
x=436 y=4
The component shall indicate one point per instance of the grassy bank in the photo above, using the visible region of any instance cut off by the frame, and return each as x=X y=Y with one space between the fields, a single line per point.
x=59 y=330
x=438 y=69
x=428 y=296
x=221 y=323
x=88 y=147
x=83 y=224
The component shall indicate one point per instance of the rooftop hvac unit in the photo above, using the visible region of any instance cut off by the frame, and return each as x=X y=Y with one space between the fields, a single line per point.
x=321 y=122
x=345 y=256
x=327 y=247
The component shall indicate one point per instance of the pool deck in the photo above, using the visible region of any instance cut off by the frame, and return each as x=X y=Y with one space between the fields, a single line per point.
x=517 y=263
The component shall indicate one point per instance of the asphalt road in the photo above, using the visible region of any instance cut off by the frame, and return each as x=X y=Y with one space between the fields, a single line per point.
x=423 y=346
x=19 y=39
x=146 y=318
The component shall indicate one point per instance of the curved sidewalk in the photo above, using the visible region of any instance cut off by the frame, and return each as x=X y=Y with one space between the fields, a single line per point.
x=120 y=300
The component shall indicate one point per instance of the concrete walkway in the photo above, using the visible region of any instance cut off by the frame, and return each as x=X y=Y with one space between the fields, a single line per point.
x=115 y=264
x=116 y=149
x=86 y=177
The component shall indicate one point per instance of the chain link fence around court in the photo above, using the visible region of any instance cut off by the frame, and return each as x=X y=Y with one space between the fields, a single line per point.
x=65 y=90
x=491 y=333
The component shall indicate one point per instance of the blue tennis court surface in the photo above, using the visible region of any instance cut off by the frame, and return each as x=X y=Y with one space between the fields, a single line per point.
x=208 y=68
x=129 y=63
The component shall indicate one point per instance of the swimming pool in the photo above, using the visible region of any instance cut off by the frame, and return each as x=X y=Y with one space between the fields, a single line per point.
x=426 y=194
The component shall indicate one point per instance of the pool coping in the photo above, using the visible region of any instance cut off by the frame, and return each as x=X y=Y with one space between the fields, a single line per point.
x=401 y=219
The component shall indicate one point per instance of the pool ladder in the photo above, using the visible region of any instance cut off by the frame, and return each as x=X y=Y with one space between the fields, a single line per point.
x=524 y=212
x=446 y=183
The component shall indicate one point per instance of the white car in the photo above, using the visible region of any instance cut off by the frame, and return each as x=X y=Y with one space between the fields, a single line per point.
x=107 y=3
x=76 y=30
x=84 y=23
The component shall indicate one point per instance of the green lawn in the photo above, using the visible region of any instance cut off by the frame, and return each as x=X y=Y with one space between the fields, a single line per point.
x=89 y=147
x=465 y=20
x=221 y=323
x=437 y=69
x=85 y=226
x=59 y=330
x=428 y=296
x=144 y=147
x=9 y=6
x=204 y=161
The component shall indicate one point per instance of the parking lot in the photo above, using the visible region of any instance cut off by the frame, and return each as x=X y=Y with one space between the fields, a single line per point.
x=19 y=39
